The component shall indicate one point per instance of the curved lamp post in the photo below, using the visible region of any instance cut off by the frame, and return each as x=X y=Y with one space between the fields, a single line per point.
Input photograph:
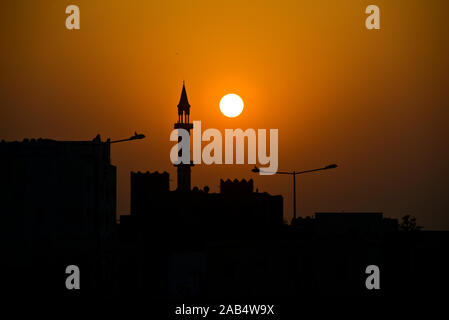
x=136 y=136
x=294 y=173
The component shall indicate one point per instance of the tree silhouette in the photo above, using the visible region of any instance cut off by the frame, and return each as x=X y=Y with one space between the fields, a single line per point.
x=408 y=223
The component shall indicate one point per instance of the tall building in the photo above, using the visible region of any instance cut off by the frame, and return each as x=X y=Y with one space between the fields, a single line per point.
x=183 y=169
x=58 y=199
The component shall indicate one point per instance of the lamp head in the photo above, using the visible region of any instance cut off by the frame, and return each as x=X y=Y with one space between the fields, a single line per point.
x=255 y=169
x=137 y=136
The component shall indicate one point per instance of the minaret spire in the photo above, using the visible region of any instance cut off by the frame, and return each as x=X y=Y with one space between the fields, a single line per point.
x=183 y=101
x=183 y=169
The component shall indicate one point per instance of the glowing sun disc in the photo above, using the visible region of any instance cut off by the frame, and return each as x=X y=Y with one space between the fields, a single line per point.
x=231 y=105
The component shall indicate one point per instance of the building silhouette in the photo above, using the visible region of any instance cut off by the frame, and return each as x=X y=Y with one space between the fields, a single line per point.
x=367 y=223
x=58 y=201
x=186 y=219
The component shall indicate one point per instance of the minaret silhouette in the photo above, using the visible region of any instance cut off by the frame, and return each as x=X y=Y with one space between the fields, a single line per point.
x=183 y=170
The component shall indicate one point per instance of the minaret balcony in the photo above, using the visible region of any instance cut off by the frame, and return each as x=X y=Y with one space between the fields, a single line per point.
x=186 y=126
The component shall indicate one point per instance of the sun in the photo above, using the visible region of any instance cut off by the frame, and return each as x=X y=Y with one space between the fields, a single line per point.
x=231 y=105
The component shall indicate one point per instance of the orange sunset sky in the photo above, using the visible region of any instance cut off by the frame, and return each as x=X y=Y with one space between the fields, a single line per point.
x=376 y=102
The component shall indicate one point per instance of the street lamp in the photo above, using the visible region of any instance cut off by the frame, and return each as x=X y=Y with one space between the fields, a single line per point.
x=294 y=173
